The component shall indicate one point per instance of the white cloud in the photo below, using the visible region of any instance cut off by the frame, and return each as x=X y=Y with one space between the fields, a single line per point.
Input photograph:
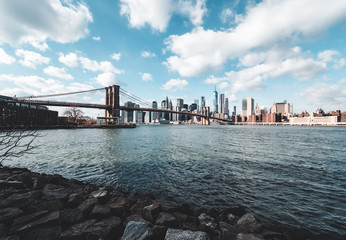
x=322 y=94
x=226 y=15
x=107 y=79
x=332 y=56
x=70 y=60
x=157 y=13
x=270 y=64
x=175 y=84
x=57 y=72
x=146 y=77
x=116 y=56
x=202 y=52
x=38 y=85
x=147 y=54
x=31 y=59
x=5 y=58
x=60 y=21
x=95 y=66
x=96 y=38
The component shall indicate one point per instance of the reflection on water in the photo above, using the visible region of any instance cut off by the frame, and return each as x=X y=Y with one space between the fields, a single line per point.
x=291 y=175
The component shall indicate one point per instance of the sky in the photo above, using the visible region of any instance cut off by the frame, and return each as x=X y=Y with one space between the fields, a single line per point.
x=270 y=50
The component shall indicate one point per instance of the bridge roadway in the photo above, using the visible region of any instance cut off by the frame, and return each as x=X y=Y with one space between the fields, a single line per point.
x=107 y=107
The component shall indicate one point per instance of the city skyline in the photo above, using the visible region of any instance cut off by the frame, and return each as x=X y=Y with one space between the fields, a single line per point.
x=182 y=49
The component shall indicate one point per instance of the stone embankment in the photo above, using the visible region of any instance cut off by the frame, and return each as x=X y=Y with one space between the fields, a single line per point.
x=39 y=206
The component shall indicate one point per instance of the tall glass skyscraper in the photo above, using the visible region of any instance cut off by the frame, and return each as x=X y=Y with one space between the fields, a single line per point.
x=215 y=101
x=202 y=101
x=222 y=103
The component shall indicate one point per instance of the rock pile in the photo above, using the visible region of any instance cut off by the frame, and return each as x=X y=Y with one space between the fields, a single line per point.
x=39 y=206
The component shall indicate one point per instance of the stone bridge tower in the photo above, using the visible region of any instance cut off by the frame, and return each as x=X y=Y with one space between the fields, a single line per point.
x=112 y=99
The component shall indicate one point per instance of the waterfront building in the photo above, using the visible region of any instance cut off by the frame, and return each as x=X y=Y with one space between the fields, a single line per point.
x=196 y=101
x=248 y=106
x=128 y=115
x=215 y=101
x=222 y=103
x=234 y=111
x=136 y=114
x=19 y=114
x=257 y=110
x=284 y=108
x=154 y=115
x=202 y=101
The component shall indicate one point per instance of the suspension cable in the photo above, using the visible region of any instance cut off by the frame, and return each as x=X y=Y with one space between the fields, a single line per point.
x=62 y=94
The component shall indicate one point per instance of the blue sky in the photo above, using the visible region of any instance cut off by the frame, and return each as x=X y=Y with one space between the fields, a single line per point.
x=270 y=50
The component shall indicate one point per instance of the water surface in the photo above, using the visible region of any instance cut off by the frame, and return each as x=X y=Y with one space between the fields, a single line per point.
x=290 y=175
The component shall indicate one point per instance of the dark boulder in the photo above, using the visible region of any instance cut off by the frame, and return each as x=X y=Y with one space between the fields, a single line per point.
x=206 y=221
x=100 y=211
x=119 y=208
x=20 y=199
x=71 y=217
x=151 y=212
x=8 y=214
x=166 y=219
x=178 y=234
x=101 y=195
x=48 y=233
x=77 y=231
x=75 y=199
x=87 y=206
x=57 y=191
x=46 y=202
x=249 y=223
x=137 y=231
x=51 y=219
x=11 y=184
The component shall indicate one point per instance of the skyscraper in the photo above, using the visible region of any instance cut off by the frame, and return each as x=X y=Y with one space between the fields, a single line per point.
x=248 y=106
x=222 y=103
x=226 y=111
x=234 y=110
x=180 y=103
x=202 y=101
x=215 y=101
x=197 y=103
x=154 y=114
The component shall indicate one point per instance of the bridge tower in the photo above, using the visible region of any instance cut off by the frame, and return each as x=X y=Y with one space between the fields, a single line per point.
x=205 y=112
x=112 y=99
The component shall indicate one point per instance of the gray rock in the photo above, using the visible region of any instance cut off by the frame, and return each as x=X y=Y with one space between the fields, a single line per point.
x=168 y=206
x=151 y=212
x=8 y=214
x=69 y=217
x=52 y=218
x=104 y=228
x=49 y=233
x=137 y=231
x=11 y=184
x=57 y=191
x=87 y=206
x=100 y=211
x=232 y=219
x=38 y=182
x=75 y=199
x=77 y=230
x=166 y=219
x=101 y=194
x=178 y=234
x=159 y=232
x=249 y=223
x=137 y=218
x=26 y=219
x=119 y=207
x=46 y=202
x=227 y=231
x=207 y=221
x=20 y=199
x=3 y=230
x=245 y=236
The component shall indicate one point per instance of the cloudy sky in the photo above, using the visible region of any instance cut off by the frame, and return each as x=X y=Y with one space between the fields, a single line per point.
x=271 y=50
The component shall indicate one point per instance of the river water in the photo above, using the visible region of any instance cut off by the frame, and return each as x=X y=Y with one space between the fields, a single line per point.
x=289 y=175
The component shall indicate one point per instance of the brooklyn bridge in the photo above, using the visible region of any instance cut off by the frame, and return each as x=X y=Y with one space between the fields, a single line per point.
x=112 y=104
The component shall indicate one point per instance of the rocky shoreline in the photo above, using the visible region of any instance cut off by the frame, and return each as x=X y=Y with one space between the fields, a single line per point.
x=40 y=206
